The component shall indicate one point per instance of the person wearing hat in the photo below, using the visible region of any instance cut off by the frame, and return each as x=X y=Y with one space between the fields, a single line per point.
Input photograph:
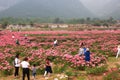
x=118 y=52
x=87 y=55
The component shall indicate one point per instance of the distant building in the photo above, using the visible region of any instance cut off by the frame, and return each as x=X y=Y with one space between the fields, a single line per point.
x=63 y=26
x=18 y=27
x=53 y=26
x=37 y=25
x=58 y=25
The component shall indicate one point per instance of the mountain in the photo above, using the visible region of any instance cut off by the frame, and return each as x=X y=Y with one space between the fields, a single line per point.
x=103 y=8
x=112 y=9
x=96 y=6
x=47 y=8
x=115 y=9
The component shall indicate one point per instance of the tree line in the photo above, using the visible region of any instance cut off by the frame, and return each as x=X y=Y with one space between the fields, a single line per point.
x=24 y=21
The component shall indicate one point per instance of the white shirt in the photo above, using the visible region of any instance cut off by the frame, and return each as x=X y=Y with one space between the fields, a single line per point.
x=25 y=64
x=55 y=42
x=17 y=62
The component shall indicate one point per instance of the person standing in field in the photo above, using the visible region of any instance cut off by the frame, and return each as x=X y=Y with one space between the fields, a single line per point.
x=34 y=71
x=118 y=51
x=25 y=66
x=48 y=69
x=87 y=55
x=17 y=42
x=55 y=42
x=13 y=37
x=17 y=65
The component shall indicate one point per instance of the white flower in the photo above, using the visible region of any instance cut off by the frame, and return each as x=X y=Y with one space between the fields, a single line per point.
x=55 y=78
x=66 y=76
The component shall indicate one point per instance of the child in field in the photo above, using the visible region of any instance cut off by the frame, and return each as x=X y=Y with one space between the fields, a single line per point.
x=48 y=69
x=34 y=71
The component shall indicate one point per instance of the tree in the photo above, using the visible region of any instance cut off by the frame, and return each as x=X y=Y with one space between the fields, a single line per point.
x=96 y=24
x=105 y=24
x=4 y=24
x=57 y=21
x=111 y=20
x=31 y=23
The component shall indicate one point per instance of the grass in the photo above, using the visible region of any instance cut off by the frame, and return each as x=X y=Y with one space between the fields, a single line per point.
x=112 y=61
x=82 y=75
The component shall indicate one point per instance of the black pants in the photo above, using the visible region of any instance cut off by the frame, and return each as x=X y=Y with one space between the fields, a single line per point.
x=26 y=72
x=16 y=71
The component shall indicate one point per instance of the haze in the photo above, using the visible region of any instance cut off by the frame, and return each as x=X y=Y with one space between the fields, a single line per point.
x=4 y=4
x=96 y=6
x=100 y=8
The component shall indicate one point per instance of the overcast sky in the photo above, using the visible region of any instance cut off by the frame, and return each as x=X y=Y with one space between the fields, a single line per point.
x=95 y=5
x=6 y=3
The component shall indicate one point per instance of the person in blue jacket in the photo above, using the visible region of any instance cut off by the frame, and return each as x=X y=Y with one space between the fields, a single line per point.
x=87 y=55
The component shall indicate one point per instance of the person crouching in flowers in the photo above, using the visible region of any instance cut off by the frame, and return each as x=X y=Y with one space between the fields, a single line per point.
x=48 y=69
x=81 y=50
x=87 y=55
x=17 y=42
x=25 y=66
x=55 y=42
x=118 y=51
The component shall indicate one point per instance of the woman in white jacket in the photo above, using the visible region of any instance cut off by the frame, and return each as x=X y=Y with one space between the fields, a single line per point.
x=17 y=65
x=118 y=52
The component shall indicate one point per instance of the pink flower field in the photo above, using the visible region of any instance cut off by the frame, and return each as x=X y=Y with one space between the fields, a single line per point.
x=38 y=45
